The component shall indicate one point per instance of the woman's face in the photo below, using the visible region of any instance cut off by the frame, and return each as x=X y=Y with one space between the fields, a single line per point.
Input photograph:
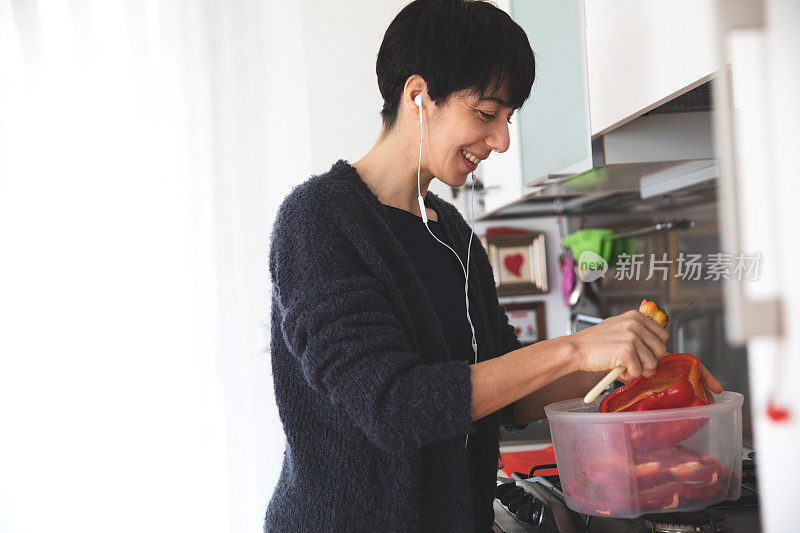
x=464 y=128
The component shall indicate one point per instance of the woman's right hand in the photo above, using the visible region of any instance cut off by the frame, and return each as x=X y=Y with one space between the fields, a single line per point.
x=630 y=340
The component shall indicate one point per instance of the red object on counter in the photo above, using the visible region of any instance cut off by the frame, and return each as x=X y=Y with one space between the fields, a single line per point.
x=523 y=461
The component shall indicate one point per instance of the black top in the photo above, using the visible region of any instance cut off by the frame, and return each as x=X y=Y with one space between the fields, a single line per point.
x=442 y=277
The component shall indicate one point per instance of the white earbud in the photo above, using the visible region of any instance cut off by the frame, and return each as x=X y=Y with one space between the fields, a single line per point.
x=418 y=100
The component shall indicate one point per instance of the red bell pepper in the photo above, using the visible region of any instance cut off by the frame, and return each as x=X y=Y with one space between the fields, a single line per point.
x=699 y=477
x=655 y=481
x=663 y=497
x=651 y=474
x=676 y=383
x=680 y=394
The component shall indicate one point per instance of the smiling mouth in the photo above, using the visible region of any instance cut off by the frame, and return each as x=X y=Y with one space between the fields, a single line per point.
x=471 y=157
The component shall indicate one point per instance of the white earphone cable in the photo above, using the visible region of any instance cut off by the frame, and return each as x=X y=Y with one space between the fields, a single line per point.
x=424 y=215
x=469 y=246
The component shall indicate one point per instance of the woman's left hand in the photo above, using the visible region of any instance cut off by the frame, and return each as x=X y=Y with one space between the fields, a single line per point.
x=708 y=379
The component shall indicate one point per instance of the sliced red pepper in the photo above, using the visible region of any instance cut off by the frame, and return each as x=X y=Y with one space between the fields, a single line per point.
x=651 y=436
x=700 y=478
x=649 y=475
x=695 y=472
x=667 y=456
x=665 y=478
x=608 y=475
x=647 y=436
x=701 y=492
x=659 y=497
x=670 y=371
x=676 y=383
x=699 y=482
x=680 y=394
x=600 y=500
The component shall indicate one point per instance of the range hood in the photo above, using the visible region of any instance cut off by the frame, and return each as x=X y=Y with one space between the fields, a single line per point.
x=623 y=187
x=659 y=161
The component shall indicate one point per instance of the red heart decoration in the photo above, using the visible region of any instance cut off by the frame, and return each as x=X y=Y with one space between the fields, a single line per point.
x=514 y=264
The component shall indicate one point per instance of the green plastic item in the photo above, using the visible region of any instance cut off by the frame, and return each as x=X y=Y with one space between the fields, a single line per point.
x=593 y=240
x=598 y=240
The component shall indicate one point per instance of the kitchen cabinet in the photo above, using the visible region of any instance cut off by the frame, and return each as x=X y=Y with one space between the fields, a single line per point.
x=554 y=123
x=600 y=65
x=640 y=54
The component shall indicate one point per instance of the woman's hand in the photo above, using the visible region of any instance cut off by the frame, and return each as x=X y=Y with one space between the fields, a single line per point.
x=630 y=340
x=708 y=379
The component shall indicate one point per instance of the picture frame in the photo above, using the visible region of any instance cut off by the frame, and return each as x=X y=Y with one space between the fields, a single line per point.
x=702 y=239
x=518 y=261
x=529 y=321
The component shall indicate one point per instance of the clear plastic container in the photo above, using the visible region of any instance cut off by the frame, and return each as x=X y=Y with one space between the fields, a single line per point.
x=628 y=464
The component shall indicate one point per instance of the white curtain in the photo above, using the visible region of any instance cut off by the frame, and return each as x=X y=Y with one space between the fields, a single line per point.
x=144 y=147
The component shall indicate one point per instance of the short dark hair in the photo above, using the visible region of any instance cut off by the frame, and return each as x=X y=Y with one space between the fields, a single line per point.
x=454 y=45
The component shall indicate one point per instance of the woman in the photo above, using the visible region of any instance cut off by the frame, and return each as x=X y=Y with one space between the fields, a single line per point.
x=375 y=375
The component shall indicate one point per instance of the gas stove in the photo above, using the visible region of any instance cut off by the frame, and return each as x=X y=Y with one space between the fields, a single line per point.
x=536 y=503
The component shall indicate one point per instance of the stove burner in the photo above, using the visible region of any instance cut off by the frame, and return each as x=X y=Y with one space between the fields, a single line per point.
x=710 y=520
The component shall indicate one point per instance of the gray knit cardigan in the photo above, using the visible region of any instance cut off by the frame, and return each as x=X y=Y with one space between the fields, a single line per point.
x=374 y=410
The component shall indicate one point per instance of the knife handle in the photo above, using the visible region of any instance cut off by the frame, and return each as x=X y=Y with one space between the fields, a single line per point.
x=601 y=386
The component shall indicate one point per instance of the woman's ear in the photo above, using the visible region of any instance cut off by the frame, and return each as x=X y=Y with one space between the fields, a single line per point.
x=414 y=88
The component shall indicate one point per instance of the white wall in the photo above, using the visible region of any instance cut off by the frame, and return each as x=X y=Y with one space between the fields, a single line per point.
x=145 y=147
x=340 y=44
